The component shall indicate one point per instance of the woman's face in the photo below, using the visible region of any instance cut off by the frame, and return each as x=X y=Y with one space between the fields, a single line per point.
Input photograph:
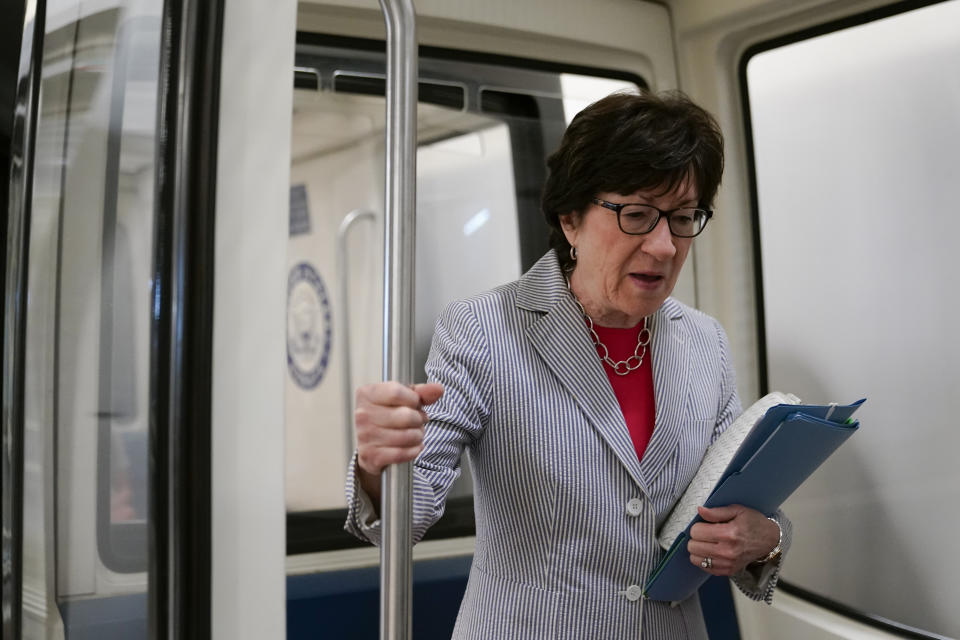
x=619 y=278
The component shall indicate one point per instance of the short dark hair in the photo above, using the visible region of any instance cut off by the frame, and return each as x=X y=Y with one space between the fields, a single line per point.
x=626 y=143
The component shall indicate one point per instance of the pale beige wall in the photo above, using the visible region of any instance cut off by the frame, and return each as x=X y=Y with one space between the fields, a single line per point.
x=337 y=182
x=618 y=34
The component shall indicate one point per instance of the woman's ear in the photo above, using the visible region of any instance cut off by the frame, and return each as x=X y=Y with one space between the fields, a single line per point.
x=570 y=222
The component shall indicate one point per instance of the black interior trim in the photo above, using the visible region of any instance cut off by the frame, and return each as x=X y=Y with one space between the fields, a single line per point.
x=11 y=34
x=305 y=80
x=16 y=242
x=322 y=530
x=460 y=55
x=509 y=103
x=763 y=373
x=179 y=580
x=875 y=621
x=878 y=622
x=444 y=95
x=161 y=334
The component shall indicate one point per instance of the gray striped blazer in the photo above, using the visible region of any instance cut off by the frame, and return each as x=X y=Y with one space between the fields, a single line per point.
x=554 y=468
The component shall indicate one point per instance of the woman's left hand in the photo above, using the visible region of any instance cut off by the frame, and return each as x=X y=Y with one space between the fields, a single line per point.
x=731 y=537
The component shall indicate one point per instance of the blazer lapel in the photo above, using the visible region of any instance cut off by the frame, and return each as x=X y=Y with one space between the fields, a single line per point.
x=561 y=339
x=671 y=373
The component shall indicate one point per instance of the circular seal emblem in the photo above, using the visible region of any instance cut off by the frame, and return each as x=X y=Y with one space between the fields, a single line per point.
x=308 y=326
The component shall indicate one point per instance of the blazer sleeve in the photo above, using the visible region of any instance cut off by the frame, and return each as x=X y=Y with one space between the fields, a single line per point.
x=729 y=409
x=459 y=360
x=757 y=582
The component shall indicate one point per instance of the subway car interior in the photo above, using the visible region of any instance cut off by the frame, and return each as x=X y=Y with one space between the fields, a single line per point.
x=193 y=258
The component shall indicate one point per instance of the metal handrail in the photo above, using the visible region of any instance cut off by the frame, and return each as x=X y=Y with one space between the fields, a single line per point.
x=396 y=566
x=343 y=317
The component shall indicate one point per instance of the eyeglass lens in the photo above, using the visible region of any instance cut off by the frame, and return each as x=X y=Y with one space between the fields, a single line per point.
x=638 y=218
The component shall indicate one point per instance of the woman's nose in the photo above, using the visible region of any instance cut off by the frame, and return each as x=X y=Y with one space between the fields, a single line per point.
x=659 y=242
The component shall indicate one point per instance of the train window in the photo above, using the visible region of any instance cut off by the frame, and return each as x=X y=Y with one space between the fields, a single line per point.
x=580 y=90
x=88 y=319
x=484 y=132
x=855 y=131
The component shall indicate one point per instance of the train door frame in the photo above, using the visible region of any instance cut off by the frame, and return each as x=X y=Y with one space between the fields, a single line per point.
x=193 y=583
x=249 y=325
x=179 y=574
x=15 y=241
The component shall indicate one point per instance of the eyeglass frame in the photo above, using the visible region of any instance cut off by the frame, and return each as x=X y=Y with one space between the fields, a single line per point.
x=617 y=208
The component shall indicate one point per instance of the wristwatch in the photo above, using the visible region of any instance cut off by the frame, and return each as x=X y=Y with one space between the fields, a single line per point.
x=773 y=555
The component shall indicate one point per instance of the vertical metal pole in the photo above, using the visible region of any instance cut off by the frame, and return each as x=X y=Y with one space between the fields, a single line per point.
x=396 y=566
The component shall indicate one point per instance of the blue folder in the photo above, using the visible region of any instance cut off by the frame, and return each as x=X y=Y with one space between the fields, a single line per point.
x=781 y=451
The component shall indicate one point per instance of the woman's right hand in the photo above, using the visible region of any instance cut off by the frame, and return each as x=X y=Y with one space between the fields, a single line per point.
x=389 y=419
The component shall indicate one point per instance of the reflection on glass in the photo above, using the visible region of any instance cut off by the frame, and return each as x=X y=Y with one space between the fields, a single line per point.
x=125 y=294
x=88 y=322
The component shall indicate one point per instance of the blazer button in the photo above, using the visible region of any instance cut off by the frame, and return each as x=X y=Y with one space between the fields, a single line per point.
x=633 y=593
x=635 y=507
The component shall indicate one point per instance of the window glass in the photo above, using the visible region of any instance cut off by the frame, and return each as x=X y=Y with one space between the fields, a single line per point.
x=88 y=319
x=337 y=169
x=483 y=135
x=855 y=135
x=579 y=91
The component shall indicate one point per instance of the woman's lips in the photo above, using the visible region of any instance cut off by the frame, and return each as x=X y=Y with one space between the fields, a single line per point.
x=647 y=280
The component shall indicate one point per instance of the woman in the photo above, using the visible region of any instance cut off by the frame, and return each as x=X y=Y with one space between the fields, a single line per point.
x=584 y=396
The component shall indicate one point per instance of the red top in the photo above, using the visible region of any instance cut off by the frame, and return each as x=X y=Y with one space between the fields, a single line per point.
x=634 y=391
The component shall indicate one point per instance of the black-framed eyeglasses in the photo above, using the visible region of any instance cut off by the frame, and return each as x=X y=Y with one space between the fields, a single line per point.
x=637 y=219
